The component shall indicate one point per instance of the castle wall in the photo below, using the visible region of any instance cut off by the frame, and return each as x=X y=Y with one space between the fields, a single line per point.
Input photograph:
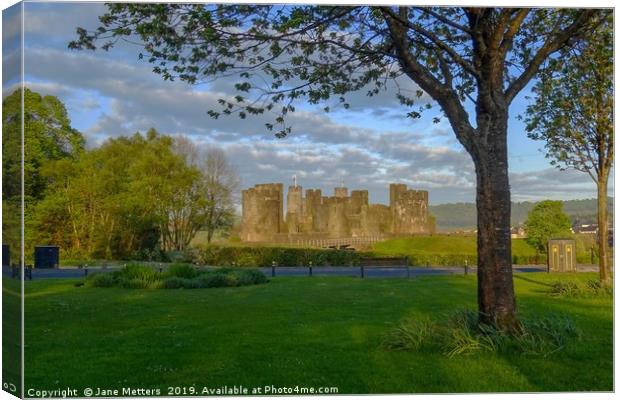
x=262 y=212
x=338 y=216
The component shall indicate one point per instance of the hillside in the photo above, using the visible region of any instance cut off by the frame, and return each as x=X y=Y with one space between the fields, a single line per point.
x=457 y=216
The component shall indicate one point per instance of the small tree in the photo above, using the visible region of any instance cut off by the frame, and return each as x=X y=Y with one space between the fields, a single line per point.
x=573 y=113
x=221 y=182
x=547 y=220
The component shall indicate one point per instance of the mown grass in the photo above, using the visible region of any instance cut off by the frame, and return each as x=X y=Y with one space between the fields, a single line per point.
x=433 y=249
x=321 y=331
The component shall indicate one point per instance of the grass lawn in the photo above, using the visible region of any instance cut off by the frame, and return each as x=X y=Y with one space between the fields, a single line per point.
x=421 y=247
x=321 y=331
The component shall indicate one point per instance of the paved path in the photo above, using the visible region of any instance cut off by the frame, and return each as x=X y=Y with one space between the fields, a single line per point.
x=369 y=272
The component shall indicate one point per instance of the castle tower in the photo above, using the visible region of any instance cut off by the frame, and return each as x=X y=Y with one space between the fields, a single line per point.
x=262 y=217
x=294 y=209
x=341 y=192
x=409 y=209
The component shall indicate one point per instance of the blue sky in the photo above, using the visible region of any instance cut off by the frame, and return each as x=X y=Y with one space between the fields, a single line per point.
x=113 y=93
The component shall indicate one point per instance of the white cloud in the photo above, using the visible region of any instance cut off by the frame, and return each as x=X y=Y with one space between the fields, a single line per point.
x=323 y=149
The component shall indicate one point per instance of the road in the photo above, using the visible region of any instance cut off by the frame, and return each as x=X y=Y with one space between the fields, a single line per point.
x=369 y=272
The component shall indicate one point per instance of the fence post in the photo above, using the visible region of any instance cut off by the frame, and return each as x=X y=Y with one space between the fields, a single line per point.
x=273 y=269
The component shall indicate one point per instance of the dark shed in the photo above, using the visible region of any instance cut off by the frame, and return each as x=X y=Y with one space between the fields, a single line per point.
x=46 y=257
x=6 y=255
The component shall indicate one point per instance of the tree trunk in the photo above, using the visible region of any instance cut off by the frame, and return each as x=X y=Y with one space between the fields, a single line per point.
x=603 y=262
x=496 y=299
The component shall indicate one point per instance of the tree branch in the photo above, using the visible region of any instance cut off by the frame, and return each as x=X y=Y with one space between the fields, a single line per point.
x=446 y=97
x=433 y=38
x=555 y=42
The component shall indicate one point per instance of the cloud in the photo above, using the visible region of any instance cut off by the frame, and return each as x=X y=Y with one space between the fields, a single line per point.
x=551 y=183
x=113 y=93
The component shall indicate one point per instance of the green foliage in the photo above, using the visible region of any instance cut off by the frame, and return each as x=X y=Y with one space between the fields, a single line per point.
x=118 y=200
x=409 y=335
x=578 y=289
x=137 y=271
x=182 y=271
x=48 y=137
x=460 y=334
x=573 y=107
x=101 y=280
x=137 y=276
x=546 y=221
x=247 y=256
x=216 y=280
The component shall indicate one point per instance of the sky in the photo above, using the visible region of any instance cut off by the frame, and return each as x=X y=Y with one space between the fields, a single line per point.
x=369 y=146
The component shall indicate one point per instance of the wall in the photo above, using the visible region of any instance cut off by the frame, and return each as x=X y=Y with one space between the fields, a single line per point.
x=330 y=217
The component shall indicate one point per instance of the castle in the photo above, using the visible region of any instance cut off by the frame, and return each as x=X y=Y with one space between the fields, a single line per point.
x=338 y=216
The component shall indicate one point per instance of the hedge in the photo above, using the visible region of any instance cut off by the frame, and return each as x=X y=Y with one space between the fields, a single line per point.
x=244 y=256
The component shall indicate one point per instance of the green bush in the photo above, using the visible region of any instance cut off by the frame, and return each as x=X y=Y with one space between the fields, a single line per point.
x=173 y=282
x=246 y=256
x=138 y=283
x=409 y=335
x=100 y=280
x=139 y=272
x=178 y=276
x=213 y=280
x=254 y=276
x=590 y=288
x=182 y=271
x=461 y=334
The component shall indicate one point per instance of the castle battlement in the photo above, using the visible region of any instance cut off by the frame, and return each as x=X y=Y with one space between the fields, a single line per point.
x=338 y=216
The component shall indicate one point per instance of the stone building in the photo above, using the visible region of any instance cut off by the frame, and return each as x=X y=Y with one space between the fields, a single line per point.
x=342 y=215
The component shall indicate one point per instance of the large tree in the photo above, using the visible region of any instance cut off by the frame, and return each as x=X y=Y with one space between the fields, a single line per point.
x=48 y=136
x=573 y=113
x=125 y=199
x=468 y=60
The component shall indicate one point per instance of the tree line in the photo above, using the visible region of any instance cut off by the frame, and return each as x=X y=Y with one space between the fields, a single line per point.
x=131 y=197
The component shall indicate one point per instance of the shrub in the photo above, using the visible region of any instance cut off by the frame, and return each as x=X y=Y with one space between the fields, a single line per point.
x=178 y=276
x=246 y=256
x=100 y=280
x=590 y=288
x=212 y=280
x=253 y=276
x=409 y=335
x=461 y=334
x=564 y=288
x=173 y=282
x=182 y=271
x=137 y=271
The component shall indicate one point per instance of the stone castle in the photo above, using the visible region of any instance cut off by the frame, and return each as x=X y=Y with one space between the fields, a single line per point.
x=330 y=217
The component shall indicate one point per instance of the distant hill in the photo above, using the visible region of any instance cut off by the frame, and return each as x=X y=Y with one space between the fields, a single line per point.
x=455 y=216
